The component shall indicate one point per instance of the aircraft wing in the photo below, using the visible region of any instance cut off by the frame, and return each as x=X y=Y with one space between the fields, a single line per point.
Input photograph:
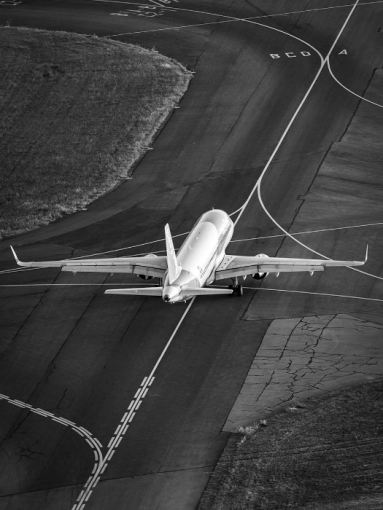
x=237 y=265
x=147 y=266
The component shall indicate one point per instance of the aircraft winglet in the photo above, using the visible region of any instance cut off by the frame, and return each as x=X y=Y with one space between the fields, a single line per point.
x=173 y=266
x=16 y=257
x=18 y=262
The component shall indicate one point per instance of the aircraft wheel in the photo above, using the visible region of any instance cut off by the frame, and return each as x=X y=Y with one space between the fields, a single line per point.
x=237 y=290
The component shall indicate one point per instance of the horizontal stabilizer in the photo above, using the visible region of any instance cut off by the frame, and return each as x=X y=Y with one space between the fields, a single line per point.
x=205 y=291
x=141 y=291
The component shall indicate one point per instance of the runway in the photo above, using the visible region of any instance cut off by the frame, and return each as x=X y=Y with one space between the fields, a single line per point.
x=154 y=384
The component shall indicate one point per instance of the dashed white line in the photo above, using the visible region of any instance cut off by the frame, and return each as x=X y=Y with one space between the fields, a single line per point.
x=93 y=442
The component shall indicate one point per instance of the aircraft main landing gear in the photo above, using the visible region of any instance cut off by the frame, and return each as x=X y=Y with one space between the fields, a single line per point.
x=236 y=287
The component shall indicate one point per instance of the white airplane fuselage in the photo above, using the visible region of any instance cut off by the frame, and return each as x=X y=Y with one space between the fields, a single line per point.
x=200 y=255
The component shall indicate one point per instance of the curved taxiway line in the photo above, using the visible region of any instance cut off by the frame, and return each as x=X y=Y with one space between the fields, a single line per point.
x=92 y=441
x=349 y=90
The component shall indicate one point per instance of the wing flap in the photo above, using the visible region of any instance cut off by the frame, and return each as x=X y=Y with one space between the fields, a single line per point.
x=237 y=265
x=148 y=266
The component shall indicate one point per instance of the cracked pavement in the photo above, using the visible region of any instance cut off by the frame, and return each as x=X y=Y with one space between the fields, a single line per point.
x=303 y=357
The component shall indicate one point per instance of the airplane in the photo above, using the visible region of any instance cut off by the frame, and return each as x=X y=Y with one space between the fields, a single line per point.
x=200 y=261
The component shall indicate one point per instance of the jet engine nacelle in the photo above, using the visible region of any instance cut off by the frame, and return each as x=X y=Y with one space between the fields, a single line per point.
x=260 y=276
x=145 y=276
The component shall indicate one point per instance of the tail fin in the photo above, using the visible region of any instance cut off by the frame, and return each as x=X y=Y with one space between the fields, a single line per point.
x=173 y=267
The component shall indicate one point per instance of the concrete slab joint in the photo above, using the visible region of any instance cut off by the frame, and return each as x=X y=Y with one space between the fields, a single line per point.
x=302 y=357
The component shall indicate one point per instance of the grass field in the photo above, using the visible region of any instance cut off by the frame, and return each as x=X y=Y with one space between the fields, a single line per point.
x=326 y=455
x=76 y=113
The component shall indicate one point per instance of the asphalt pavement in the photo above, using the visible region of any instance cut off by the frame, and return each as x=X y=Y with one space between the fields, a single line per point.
x=83 y=356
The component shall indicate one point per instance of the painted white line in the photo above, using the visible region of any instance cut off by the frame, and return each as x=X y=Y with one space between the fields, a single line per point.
x=104 y=468
x=125 y=429
x=138 y=405
x=307 y=232
x=96 y=481
x=129 y=416
x=130 y=405
x=38 y=412
x=144 y=381
x=118 y=442
x=85 y=431
x=137 y=393
x=324 y=294
x=59 y=421
x=117 y=429
x=284 y=134
x=193 y=25
x=144 y=394
x=68 y=422
x=151 y=381
x=349 y=90
x=109 y=455
x=228 y=19
x=78 y=431
x=17 y=404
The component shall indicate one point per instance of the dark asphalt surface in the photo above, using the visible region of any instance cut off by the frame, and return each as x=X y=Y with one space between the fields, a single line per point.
x=81 y=355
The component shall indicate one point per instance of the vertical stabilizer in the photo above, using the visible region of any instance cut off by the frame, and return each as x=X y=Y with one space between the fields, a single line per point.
x=173 y=267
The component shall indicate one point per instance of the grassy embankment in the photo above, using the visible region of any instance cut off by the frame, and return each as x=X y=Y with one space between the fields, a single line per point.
x=327 y=455
x=76 y=113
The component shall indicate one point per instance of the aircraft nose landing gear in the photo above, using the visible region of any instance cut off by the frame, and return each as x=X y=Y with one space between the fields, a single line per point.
x=236 y=287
